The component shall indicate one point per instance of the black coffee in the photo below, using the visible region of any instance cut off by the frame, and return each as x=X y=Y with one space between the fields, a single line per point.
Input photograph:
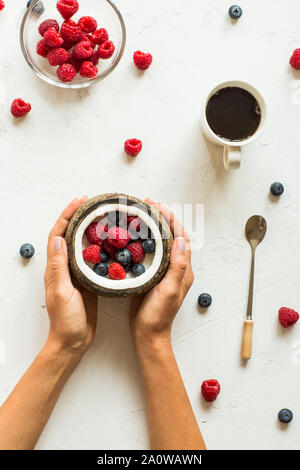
x=233 y=114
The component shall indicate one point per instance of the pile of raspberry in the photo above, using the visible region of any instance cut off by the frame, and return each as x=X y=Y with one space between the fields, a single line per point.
x=74 y=47
x=118 y=245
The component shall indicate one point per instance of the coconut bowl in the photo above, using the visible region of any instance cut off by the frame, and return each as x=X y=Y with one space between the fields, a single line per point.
x=97 y=209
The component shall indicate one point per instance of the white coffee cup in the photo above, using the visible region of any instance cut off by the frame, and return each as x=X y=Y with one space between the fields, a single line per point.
x=232 y=149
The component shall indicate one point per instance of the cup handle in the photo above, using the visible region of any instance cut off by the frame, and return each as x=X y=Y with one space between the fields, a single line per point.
x=231 y=157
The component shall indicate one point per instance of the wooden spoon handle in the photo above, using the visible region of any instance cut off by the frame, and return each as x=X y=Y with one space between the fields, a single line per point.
x=247 y=339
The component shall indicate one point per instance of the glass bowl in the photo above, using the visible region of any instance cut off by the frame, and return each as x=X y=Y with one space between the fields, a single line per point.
x=107 y=16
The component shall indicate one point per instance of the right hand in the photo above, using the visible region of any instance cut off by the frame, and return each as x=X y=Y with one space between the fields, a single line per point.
x=152 y=317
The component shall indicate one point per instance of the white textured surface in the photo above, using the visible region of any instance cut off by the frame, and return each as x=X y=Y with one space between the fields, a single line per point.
x=71 y=144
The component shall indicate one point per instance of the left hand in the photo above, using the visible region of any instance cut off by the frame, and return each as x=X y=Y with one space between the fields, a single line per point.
x=72 y=312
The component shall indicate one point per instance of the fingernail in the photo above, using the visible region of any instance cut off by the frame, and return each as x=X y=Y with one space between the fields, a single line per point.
x=180 y=244
x=57 y=244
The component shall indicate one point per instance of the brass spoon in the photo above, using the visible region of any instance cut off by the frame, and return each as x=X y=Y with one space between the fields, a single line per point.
x=256 y=228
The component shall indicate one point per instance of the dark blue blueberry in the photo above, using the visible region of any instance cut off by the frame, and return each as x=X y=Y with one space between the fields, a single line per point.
x=38 y=9
x=101 y=269
x=149 y=245
x=138 y=270
x=104 y=256
x=235 y=12
x=277 y=189
x=27 y=251
x=204 y=300
x=285 y=416
x=123 y=257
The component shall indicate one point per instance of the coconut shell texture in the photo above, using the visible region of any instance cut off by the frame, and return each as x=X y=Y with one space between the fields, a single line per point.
x=116 y=198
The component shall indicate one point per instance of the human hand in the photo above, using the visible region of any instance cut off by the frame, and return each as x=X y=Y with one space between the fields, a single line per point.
x=151 y=317
x=72 y=312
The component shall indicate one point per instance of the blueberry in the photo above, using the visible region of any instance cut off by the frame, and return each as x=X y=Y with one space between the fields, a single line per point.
x=104 y=256
x=38 y=9
x=204 y=300
x=128 y=267
x=285 y=416
x=101 y=269
x=27 y=251
x=277 y=189
x=235 y=12
x=123 y=257
x=149 y=245
x=138 y=270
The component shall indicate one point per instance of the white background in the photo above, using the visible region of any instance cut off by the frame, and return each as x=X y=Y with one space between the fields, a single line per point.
x=71 y=145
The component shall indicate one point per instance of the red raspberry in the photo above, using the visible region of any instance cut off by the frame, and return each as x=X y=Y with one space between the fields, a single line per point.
x=142 y=60
x=19 y=108
x=133 y=147
x=2 y=5
x=66 y=72
x=295 y=59
x=110 y=250
x=67 y=45
x=100 y=36
x=287 y=317
x=87 y=24
x=94 y=232
x=92 y=254
x=67 y=8
x=86 y=37
x=118 y=237
x=83 y=50
x=134 y=222
x=210 y=389
x=70 y=31
x=58 y=56
x=94 y=58
x=53 y=38
x=137 y=252
x=116 y=272
x=88 y=70
x=106 y=50
x=75 y=62
x=45 y=25
x=42 y=48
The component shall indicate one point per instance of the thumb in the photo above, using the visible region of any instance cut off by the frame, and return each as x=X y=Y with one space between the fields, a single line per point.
x=59 y=261
x=178 y=261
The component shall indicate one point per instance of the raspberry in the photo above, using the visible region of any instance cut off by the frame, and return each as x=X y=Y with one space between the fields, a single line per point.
x=88 y=70
x=45 y=25
x=99 y=36
x=2 y=5
x=67 y=8
x=86 y=37
x=87 y=24
x=133 y=147
x=82 y=50
x=19 y=108
x=110 y=250
x=42 y=48
x=118 y=237
x=75 y=62
x=58 y=56
x=210 y=389
x=106 y=50
x=295 y=59
x=142 y=60
x=116 y=272
x=287 y=317
x=53 y=38
x=67 y=45
x=94 y=58
x=66 y=72
x=137 y=252
x=94 y=232
x=92 y=254
x=70 y=31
